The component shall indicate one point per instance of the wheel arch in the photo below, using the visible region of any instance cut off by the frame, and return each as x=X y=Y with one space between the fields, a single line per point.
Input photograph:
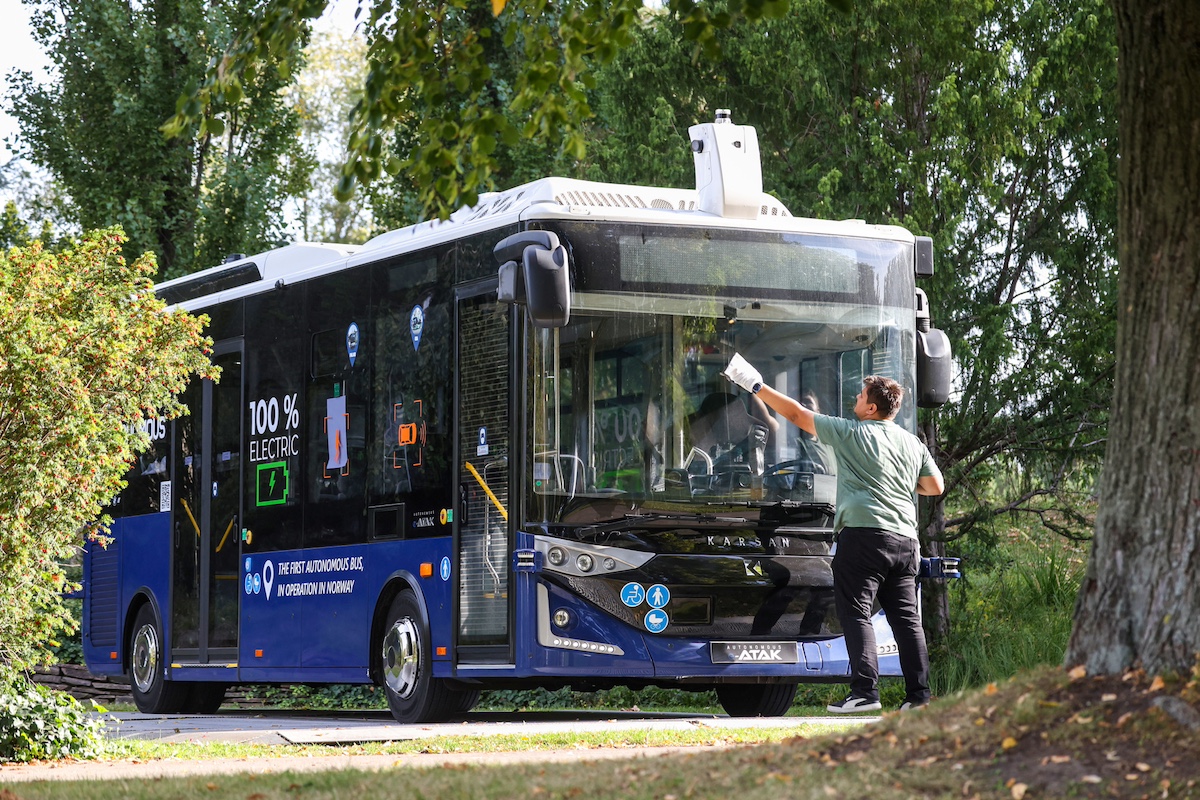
x=398 y=582
x=142 y=596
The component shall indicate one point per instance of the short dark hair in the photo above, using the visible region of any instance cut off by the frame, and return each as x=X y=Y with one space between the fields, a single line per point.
x=885 y=393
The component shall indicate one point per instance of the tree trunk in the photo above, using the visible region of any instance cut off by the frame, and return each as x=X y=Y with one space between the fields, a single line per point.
x=935 y=595
x=1140 y=599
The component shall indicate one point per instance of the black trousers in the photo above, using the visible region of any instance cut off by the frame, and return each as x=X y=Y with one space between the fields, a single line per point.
x=870 y=565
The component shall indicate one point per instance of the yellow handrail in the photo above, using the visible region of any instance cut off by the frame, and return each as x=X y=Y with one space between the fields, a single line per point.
x=486 y=488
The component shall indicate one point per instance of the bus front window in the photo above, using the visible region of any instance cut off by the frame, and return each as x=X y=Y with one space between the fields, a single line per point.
x=630 y=414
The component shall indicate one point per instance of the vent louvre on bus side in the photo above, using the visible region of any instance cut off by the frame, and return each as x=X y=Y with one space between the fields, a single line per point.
x=603 y=200
x=102 y=588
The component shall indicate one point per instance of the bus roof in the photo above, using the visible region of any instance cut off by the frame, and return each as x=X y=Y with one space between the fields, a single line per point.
x=545 y=199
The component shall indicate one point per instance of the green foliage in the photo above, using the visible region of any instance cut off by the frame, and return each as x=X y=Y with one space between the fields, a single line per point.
x=1012 y=611
x=323 y=94
x=432 y=67
x=13 y=230
x=216 y=188
x=39 y=724
x=336 y=696
x=618 y=698
x=87 y=354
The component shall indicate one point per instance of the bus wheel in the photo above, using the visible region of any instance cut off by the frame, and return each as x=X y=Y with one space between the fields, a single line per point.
x=465 y=701
x=756 y=699
x=204 y=698
x=152 y=692
x=413 y=694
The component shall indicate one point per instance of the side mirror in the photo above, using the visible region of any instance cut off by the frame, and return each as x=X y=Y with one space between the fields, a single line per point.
x=534 y=271
x=934 y=361
x=923 y=257
x=933 y=368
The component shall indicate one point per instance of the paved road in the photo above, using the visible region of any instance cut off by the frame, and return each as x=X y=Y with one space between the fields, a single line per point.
x=307 y=727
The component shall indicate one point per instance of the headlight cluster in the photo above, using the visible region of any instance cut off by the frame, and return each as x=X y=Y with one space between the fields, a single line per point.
x=579 y=558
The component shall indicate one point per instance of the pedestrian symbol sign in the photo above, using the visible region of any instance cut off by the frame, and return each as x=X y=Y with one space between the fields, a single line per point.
x=658 y=596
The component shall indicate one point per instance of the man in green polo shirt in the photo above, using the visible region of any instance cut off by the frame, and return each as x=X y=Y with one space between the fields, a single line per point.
x=879 y=467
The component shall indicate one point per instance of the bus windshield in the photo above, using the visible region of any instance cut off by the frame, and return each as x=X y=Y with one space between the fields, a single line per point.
x=629 y=414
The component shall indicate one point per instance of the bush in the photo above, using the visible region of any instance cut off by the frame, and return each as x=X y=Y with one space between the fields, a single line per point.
x=1010 y=613
x=37 y=724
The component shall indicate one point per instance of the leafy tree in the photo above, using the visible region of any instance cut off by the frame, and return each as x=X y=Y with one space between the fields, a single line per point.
x=323 y=95
x=87 y=354
x=216 y=188
x=420 y=54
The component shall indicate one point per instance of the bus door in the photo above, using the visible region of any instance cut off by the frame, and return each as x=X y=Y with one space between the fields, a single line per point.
x=207 y=517
x=483 y=535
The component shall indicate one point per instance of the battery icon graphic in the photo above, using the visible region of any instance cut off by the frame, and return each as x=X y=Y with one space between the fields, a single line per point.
x=272 y=484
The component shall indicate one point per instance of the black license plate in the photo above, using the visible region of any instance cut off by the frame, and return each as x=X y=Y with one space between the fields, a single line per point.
x=755 y=653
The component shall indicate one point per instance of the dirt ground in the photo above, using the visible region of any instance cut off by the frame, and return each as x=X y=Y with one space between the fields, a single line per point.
x=1048 y=733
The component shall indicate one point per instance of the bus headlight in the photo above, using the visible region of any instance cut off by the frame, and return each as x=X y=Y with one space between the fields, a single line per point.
x=557 y=556
x=585 y=562
x=562 y=618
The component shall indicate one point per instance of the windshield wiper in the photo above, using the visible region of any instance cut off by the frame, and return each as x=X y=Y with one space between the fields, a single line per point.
x=783 y=510
x=637 y=520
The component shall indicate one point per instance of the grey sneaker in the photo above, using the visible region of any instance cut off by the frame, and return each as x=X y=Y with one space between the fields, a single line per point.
x=854 y=705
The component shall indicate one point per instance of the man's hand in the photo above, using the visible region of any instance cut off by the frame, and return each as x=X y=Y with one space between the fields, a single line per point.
x=740 y=372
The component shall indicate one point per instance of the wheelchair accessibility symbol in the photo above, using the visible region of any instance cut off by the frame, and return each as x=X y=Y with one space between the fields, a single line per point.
x=632 y=594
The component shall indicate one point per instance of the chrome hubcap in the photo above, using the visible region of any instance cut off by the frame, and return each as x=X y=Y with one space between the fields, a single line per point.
x=145 y=657
x=402 y=657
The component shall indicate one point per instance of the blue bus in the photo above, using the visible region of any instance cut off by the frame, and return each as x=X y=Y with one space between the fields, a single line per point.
x=496 y=451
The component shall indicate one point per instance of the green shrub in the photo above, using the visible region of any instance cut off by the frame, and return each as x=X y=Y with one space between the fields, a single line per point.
x=1012 y=614
x=39 y=724
x=619 y=698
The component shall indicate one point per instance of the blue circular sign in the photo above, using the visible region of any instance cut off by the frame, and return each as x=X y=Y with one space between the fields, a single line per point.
x=257 y=584
x=249 y=584
x=445 y=568
x=632 y=594
x=247 y=563
x=658 y=596
x=656 y=620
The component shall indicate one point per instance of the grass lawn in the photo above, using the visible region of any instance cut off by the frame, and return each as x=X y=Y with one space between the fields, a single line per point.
x=1044 y=733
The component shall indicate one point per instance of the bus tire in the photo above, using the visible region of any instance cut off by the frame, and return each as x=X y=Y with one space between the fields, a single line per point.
x=204 y=698
x=756 y=699
x=465 y=701
x=152 y=692
x=413 y=694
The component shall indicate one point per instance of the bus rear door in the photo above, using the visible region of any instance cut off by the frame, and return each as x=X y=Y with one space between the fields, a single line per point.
x=207 y=516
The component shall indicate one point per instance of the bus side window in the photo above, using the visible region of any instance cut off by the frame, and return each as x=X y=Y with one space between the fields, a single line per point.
x=408 y=472
x=336 y=410
x=273 y=379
